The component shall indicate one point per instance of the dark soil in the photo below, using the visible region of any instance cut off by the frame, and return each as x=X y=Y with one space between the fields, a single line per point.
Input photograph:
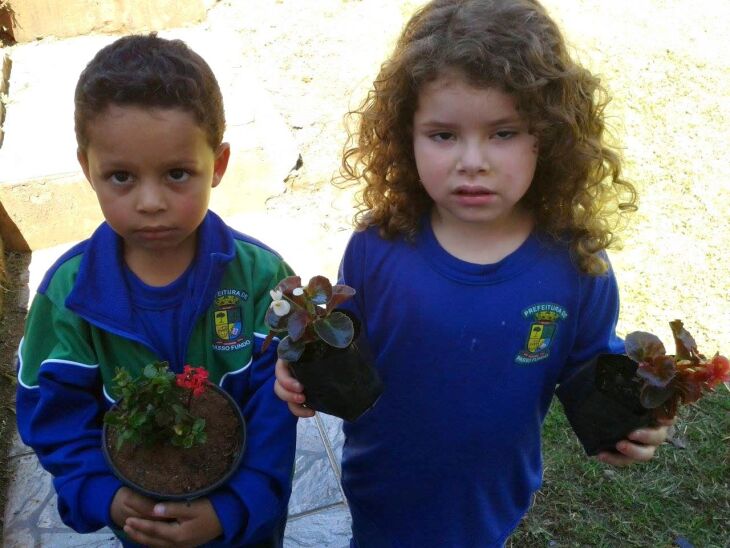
x=178 y=471
x=339 y=381
x=12 y=319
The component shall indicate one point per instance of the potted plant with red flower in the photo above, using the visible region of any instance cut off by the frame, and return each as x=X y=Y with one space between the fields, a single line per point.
x=172 y=437
x=323 y=345
x=614 y=394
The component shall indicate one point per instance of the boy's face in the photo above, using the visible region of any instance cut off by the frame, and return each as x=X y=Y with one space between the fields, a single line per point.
x=152 y=170
x=474 y=154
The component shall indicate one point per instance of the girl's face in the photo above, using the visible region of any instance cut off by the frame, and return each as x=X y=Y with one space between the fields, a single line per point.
x=473 y=152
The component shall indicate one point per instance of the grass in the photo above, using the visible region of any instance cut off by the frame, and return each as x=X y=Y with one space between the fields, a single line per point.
x=680 y=494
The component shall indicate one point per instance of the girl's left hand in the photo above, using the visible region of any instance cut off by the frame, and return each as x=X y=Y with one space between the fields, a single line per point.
x=639 y=446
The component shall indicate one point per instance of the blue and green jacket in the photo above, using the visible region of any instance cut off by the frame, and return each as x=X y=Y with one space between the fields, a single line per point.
x=80 y=328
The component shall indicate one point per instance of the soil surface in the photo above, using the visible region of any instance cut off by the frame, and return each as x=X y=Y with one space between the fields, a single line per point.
x=168 y=470
x=663 y=62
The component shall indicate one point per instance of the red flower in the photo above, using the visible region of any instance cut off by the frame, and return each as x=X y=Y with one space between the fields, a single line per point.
x=194 y=379
x=718 y=371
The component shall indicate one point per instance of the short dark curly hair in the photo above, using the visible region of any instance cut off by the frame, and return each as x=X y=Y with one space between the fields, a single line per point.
x=149 y=71
x=513 y=45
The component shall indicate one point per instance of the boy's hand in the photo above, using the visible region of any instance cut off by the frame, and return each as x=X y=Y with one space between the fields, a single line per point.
x=127 y=503
x=639 y=446
x=290 y=390
x=185 y=524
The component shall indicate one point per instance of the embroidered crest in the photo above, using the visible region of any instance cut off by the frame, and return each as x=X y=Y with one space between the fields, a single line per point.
x=542 y=331
x=228 y=320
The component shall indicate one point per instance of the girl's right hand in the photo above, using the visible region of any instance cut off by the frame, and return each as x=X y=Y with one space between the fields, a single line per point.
x=290 y=390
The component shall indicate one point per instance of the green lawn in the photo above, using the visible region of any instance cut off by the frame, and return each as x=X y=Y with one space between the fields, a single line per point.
x=682 y=493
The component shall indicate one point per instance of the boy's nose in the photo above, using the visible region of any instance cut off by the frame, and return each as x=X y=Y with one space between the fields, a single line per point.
x=473 y=159
x=150 y=197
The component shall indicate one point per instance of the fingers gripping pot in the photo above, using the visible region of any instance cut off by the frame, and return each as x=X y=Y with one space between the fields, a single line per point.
x=325 y=348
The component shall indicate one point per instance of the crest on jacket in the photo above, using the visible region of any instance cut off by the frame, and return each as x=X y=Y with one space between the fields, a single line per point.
x=228 y=320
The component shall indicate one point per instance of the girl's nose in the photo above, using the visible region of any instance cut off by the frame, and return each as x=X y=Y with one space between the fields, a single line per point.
x=473 y=159
x=150 y=197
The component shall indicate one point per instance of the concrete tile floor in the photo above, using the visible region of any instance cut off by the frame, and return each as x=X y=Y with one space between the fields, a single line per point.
x=318 y=514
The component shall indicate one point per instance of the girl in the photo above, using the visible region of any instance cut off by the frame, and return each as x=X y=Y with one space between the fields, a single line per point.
x=480 y=268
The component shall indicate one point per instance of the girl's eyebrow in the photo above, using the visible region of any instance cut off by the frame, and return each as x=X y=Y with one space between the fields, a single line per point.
x=505 y=121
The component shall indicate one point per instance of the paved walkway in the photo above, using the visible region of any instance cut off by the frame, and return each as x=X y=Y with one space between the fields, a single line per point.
x=318 y=514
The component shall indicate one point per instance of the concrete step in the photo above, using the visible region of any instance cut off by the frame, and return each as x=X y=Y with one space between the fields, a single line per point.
x=45 y=197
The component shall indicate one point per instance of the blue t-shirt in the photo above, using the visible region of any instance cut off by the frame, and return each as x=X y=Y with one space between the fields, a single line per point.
x=470 y=356
x=159 y=311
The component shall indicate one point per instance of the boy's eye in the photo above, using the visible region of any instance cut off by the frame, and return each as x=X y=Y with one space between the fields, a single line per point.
x=121 y=177
x=178 y=175
x=442 y=136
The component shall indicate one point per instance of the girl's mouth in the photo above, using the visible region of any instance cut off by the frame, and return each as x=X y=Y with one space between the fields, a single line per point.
x=473 y=195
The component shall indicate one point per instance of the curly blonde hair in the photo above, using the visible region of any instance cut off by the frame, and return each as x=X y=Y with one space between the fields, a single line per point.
x=577 y=192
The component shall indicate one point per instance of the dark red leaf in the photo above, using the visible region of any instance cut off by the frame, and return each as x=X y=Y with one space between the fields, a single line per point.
x=340 y=293
x=290 y=350
x=658 y=371
x=319 y=290
x=287 y=285
x=298 y=321
x=686 y=345
x=642 y=346
x=653 y=396
x=336 y=329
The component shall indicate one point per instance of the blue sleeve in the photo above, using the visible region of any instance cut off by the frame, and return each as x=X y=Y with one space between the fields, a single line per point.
x=352 y=273
x=596 y=323
x=59 y=413
x=255 y=500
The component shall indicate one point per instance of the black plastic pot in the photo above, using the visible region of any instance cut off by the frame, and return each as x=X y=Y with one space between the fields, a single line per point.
x=601 y=402
x=155 y=495
x=339 y=381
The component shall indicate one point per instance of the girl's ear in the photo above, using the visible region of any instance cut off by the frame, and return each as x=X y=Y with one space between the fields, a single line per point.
x=84 y=163
x=222 y=155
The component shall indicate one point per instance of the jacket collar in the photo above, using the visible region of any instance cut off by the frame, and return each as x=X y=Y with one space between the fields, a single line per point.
x=100 y=294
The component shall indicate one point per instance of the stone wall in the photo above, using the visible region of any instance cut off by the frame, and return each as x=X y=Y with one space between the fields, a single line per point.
x=34 y=19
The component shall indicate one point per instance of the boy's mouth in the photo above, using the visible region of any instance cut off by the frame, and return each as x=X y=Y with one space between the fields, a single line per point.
x=154 y=232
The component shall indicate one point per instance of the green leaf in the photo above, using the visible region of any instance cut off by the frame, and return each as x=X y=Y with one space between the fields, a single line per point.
x=642 y=346
x=290 y=350
x=335 y=330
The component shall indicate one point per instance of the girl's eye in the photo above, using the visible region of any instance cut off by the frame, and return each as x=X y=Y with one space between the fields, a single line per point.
x=178 y=175
x=121 y=178
x=443 y=136
x=505 y=134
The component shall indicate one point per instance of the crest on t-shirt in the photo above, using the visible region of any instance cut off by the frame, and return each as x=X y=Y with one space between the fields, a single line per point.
x=543 y=328
x=228 y=320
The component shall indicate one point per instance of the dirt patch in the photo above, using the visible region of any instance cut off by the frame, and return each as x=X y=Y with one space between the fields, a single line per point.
x=11 y=330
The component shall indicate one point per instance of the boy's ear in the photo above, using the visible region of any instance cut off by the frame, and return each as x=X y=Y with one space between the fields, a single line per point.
x=84 y=163
x=222 y=155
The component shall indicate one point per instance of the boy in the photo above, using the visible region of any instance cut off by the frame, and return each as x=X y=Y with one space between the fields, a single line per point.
x=149 y=285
